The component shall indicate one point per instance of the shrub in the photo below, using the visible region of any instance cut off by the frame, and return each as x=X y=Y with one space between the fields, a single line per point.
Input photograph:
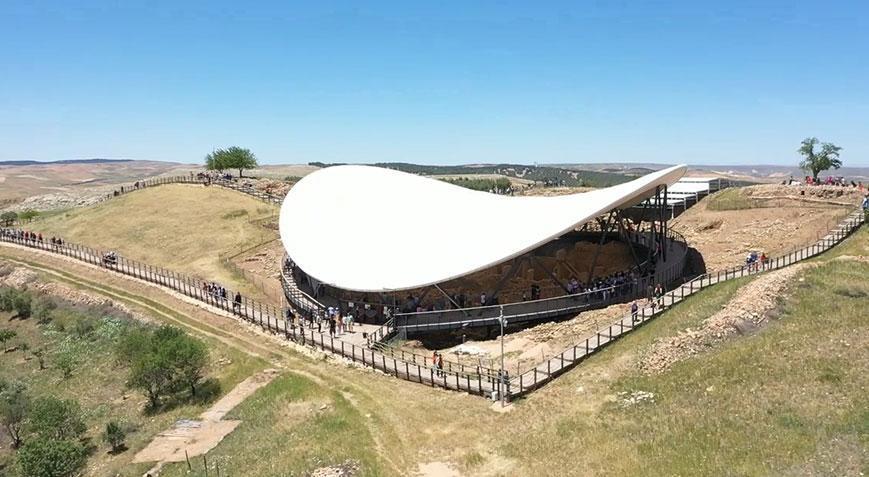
x=65 y=362
x=22 y=305
x=7 y=299
x=6 y=335
x=53 y=418
x=114 y=436
x=42 y=309
x=45 y=457
x=163 y=362
x=14 y=407
x=8 y=218
x=28 y=215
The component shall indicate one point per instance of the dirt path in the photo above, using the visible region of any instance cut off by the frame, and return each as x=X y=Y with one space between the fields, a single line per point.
x=217 y=324
x=193 y=438
x=749 y=309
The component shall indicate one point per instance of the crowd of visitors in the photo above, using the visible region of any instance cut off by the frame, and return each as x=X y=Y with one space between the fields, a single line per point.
x=331 y=320
x=110 y=258
x=28 y=236
x=755 y=262
x=839 y=181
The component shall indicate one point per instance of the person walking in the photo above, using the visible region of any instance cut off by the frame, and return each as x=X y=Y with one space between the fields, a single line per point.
x=659 y=296
x=332 y=327
x=634 y=312
x=236 y=304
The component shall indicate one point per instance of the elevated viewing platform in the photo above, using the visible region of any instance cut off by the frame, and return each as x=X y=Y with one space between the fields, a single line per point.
x=604 y=257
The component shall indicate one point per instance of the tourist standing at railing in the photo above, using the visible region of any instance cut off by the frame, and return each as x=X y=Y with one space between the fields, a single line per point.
x=236 y=303
x=659 y=296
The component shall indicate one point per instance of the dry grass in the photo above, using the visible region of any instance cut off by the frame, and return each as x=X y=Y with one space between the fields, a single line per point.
x=789 y=399
x=98 y=383
x=185 y=228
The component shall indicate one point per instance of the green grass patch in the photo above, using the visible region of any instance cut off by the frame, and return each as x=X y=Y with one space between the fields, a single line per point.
x=733 y=198
x=292 y=426
x=85 y=338
x=791 y=396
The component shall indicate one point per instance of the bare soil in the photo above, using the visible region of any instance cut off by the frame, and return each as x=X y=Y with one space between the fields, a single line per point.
x=527 y=347
x=749 y=309
x=188 y=438
x=789 y=220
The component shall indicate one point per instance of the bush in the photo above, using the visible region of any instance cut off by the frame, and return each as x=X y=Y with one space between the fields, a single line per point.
x=8 y=218
x=45 y=457
x=163 y=362
x=114 y=436
x=6 y=335
x=42 y=309
x=65 y=362
x=22 y=305
x=14 y=407
x=53 y=418
x=28 y=215
x=7 y=299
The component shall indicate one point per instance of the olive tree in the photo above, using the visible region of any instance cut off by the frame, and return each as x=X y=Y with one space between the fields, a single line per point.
x=231 y=158
x=818 y=161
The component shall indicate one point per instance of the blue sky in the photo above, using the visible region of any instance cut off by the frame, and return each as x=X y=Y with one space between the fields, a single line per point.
x=435 y=82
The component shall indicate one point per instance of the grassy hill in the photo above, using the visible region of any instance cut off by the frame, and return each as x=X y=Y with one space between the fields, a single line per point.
x=787 y=399
x=185 y=228
x=87 y=336
x=540 y=173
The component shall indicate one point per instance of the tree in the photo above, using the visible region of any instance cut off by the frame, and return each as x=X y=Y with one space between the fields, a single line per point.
x=45 y=457
x=132 y=344
x=14 y=406
x=151 y=374
x=28 y=215
x=189 y=358
x=114 y=436
x=6 y=335
x=22 y=305
x=53 y=418
x=42 y=309
x=163 y=361
x=816 y=162
x=231 y=158
x=7 y=299
x=8 y=218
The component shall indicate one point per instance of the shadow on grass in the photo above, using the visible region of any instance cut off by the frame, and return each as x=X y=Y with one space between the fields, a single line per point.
x=206 y=392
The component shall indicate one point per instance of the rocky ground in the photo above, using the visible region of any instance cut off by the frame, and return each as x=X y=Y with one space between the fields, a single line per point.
x=531 y=345
x=789 y=217
x=22 y=278
x=751 y=306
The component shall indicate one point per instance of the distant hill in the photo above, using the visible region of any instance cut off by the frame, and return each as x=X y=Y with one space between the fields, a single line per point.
x=549 y=175
x=64 y=161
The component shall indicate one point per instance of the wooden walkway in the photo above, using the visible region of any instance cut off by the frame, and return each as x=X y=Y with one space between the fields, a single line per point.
x=269 y=317
x=409 y=366
x=547 y=370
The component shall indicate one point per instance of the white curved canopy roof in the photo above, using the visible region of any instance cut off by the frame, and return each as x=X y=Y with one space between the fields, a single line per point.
x=371 y=229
